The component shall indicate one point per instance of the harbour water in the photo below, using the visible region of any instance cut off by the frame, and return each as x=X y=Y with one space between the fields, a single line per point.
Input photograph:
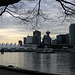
x=58 y=63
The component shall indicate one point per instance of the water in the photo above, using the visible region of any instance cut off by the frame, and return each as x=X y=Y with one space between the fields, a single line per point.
x=59 y=63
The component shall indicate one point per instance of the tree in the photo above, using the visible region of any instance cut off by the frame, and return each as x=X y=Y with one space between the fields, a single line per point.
x=68 y=7
x=35 y=13
x=6 y=3
x=68 y=10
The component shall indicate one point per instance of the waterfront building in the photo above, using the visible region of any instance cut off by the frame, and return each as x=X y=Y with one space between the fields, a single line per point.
x=24 y=40
x=29 y=39
x=36 y=37
x=47 y=39
x=20 y=42
x=67 y=38
x=72 y=34
x=61 y=39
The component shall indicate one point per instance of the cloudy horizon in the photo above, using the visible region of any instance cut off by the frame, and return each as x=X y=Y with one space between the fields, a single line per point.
x=12 y=30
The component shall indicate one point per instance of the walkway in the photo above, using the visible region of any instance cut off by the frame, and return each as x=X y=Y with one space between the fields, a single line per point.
x=5 y=70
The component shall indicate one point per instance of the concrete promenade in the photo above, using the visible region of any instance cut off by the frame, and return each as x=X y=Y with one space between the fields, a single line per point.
x=5 y=70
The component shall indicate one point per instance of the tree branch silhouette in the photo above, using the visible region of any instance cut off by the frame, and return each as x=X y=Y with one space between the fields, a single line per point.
x=8 y=2
x=67 y=9
x=36 y=12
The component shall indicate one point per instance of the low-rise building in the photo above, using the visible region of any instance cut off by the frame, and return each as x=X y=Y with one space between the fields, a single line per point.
x=29 y=39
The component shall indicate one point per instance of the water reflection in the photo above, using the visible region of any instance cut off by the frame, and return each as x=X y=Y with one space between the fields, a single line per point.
x=9 y=58
x=72 y=63
x=45 y=63
x=63 y=61
x=60 y=63
x=32 y=61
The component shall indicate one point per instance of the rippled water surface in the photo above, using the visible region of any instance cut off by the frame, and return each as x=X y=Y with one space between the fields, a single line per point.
x=59 y=63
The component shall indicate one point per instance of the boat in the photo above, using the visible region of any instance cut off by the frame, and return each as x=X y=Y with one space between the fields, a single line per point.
x=45 y=50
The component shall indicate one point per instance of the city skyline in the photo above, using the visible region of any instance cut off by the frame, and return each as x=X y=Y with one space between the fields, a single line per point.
x=11 y=30
x=20 y=37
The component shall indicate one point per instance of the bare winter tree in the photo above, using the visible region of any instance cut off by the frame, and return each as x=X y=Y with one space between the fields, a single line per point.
x=64 y=3
x=6 y=3
x=34 y=14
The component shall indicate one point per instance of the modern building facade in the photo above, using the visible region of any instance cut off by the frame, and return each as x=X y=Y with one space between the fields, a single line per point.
x=36 y=37
x=47 y=39
x=67 y=38
x=24 y=40
x=61 y=39
x=72 y=34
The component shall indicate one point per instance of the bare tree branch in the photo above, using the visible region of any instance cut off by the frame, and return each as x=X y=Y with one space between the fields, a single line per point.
x=36 y=13
x=3 y=10
x=68 y=9
x=8 y=2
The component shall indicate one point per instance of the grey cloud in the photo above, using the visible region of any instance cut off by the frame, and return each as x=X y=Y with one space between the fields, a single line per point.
x=51 y=10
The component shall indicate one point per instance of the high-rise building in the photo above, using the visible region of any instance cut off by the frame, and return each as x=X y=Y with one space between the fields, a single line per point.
x=36 y=37
x=24 y=40
x=72 y=34
x=61 y=39
x=47 y=39
x=67 y=38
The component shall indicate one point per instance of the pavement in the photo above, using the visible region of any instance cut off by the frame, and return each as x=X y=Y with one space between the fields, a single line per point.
x=10 y=70
x=7 y=72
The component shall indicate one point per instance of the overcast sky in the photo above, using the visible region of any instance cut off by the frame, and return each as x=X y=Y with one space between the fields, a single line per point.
x=12 y=30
